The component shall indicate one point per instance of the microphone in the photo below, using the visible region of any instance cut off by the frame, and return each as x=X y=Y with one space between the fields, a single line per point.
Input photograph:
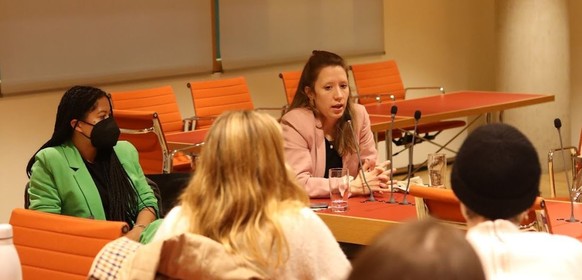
x=393 y=112
x=348 y=118
x=558 y=125
x=410 y=164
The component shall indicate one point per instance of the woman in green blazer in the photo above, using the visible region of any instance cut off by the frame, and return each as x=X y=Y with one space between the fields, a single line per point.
x=84 y=171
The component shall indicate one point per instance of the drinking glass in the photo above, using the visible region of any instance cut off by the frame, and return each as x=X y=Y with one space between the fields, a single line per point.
x=437 y=170
x=339 y=189
x=577 y=179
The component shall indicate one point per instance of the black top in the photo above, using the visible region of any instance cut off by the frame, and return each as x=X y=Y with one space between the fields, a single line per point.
x=99 y=171
x=332 y=158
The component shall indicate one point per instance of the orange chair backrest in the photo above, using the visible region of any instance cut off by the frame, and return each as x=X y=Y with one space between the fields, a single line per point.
x=378 y=78
x=443 y=204
x=290 y=81
x=52 y=246
x=144 y=131
x=212 y=97
x=580 y=144
x=440 y=203
x=161 y=100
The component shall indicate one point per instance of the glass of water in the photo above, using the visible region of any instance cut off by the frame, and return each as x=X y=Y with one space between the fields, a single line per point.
x=339 y=189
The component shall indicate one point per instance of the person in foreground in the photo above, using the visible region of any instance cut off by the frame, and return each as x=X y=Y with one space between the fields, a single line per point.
x=242 y=216
x=496 y=177
x=317 y=129
x=83 y=171
x=419 y=250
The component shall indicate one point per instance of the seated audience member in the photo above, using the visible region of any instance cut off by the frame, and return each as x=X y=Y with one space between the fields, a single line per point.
x=419 y=250
x=317 y=132
x=83 y=171
x=244 y=200
x=496 y=177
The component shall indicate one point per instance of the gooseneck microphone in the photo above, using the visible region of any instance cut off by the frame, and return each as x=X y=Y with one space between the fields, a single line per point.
x=393 y=112
x=558 y=125
x=410 y=164
x=348 y=117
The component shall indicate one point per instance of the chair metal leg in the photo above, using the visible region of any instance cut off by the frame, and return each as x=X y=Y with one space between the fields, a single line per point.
x=447 y=143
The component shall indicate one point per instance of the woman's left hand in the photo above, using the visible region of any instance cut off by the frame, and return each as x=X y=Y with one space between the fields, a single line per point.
x=377 y=177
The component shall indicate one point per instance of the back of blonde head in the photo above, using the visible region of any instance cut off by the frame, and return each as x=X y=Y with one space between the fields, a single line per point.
x=241 y=186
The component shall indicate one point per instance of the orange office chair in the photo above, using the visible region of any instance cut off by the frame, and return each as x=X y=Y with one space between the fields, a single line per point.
x=52 y=246
x=163 y=101
x=144 y=131
x=381 y=82
x=212 y=97
x=290 y=81
x=442 y=204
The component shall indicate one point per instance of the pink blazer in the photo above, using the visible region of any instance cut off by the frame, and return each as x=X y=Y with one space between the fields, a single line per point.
x=305 y=148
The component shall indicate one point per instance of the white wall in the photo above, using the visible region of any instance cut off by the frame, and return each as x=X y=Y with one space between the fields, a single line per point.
x=575 y=10
x=446 y=42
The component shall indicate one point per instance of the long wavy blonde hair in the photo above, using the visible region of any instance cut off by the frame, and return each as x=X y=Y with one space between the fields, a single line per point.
x=242 y=186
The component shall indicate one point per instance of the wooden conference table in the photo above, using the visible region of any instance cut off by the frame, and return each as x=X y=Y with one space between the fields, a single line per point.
x=458 y=104
x=448 y=106
x=434 y=108
x=364 y=220
x=558 y=212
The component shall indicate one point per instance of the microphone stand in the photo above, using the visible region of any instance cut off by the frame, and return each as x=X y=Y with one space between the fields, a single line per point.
x=410 y=164
x=371 y=198
x=393 y=112
x=572 y=219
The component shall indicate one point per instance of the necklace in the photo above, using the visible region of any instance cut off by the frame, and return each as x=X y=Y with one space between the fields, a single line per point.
x=327 y=139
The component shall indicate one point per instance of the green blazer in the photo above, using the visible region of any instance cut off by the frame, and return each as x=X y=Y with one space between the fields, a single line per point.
x=61 y=183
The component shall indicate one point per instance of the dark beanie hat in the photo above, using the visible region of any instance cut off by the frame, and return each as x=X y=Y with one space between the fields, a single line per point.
x=496 y=173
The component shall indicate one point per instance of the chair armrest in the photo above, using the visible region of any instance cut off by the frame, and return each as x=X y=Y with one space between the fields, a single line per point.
x=135 y=122
x=377 y=97
x=197 y=118
x=189 y=123
x=141 y=115
x=440 y=88
x=191 y=150
x=571 y=153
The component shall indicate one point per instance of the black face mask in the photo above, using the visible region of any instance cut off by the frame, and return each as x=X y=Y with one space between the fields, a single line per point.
x=104 y=134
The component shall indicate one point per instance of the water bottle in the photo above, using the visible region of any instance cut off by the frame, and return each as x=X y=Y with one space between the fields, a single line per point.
x=10 y=268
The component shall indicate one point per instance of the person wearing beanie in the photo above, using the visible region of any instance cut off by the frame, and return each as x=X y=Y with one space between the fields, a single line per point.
x=496 y=177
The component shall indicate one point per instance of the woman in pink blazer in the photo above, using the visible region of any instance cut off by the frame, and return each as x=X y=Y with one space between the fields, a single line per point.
x=317 y=129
